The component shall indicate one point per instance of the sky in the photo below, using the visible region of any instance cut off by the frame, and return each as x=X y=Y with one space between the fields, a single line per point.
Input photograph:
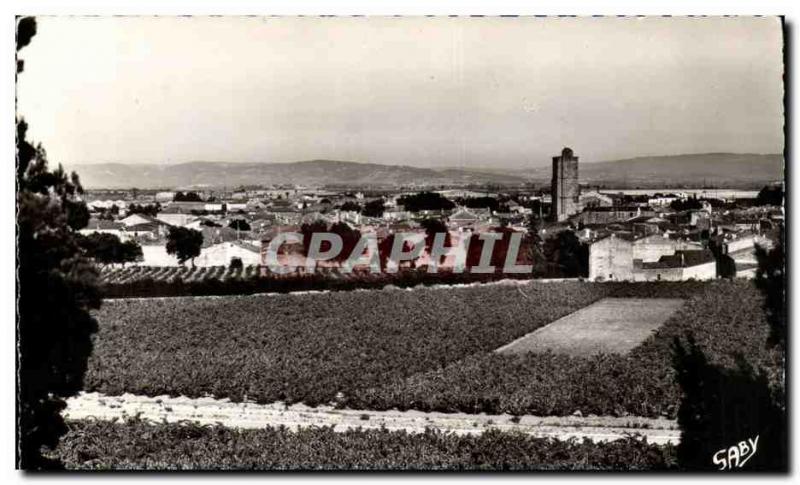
x=427 y=92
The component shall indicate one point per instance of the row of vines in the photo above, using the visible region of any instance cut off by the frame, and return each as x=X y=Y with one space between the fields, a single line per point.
x=136 y=445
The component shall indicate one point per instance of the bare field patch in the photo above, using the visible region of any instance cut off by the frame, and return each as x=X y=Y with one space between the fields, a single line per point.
x=608 y=326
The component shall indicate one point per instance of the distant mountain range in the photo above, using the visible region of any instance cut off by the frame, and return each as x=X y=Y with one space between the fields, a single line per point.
x=732 y=170
x=309 y=173
x=710 y=169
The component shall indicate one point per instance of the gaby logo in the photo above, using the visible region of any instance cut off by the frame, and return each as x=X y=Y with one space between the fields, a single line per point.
x=737 y=455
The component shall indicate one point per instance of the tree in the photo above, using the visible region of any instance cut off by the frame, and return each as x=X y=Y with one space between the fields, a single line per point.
x=308 y=230
x=350 y=206
x=500 y=249
x=771 y=280
x=184 y=243
x=490 y=203
x=130 y=252
x=56 y=289
x=535 y=242
x=350 y=238
x=770 y=195
x=425 y=201
x=148 y=210
x=107 y=248
x=239 y=225
x=385 y=252
x=187 y=197
x=432 y=228
x=373 y=208
x=565 y=251
x=688 y=204
x=722 y=407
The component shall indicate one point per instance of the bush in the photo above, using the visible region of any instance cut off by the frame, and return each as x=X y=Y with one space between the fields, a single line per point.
x=236 y=263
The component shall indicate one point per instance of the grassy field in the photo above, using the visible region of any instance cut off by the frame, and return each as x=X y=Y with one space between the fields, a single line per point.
x=427 y=349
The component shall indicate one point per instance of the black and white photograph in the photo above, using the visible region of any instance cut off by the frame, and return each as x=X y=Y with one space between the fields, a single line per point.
x=401 y=243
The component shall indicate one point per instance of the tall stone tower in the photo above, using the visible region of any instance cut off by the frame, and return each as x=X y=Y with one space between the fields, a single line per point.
x=565 y=191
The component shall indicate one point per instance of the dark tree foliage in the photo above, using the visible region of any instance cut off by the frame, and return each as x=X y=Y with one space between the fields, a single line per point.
x=567 y=254
x=56 y=288
x=538 y=208
x=726 y=266
x=208 y=223
x=26 y=29
x=770 y=195
x=351 y=206
x=499 y=250
x=239 y=225
x=490 y=203
x=108 y=249
x=425 y=201
x=148 y=209
x=771 y=280
x=236 y=263
x=722 y=407
x=373 y=208
x=350 y=238
x=688 y=204
x=432 y=228
x=308 y=230
x=385 y=252
x=187 y=197
x=184 y=243
x=535 y=244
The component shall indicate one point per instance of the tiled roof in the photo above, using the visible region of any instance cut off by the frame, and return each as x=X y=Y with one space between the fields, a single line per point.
x=464 y=215
x=682 y=259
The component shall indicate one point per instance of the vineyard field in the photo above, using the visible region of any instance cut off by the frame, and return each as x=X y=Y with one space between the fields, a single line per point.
x=153 y=281
x=725 y=318
x=313 y=348
x=137 y=445
x=424 y=349
x=117 y=275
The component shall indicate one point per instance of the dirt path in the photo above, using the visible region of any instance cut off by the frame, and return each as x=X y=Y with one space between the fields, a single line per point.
x=251 y=415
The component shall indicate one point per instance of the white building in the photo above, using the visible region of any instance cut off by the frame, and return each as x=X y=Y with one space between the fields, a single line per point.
x=222 y=253
x=214 y=255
